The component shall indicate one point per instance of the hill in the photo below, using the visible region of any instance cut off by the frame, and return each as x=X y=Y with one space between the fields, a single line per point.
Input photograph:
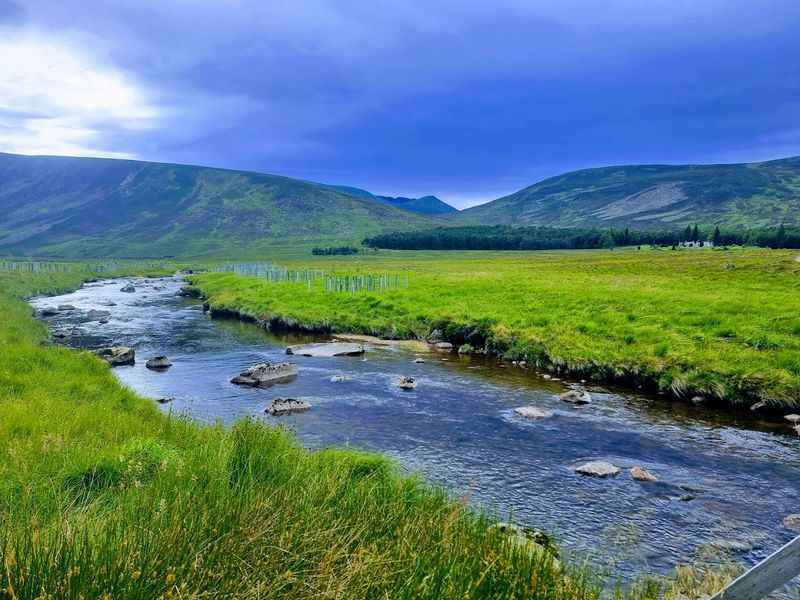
x=654 y=196
x=71 y=207
x=426 y=205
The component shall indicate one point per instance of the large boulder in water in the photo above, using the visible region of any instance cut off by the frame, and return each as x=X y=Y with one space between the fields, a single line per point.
x=158 y=363
x=287 y=406
x=97 y=315
x=576 y=397
x=597 y=468
x=128 y=288
x=326 y=349
x=117 y=356
x=533 y=412
x=266 y=374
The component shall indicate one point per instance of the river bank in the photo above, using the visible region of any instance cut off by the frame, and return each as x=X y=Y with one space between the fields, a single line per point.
x=695 y=327
x=105 y=495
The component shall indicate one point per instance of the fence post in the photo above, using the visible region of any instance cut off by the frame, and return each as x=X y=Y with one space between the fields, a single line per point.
x=768 y=575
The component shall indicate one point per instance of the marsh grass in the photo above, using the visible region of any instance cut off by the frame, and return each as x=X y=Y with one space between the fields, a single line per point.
x=719 y=323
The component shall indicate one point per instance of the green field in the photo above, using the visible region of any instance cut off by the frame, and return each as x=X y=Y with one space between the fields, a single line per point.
x=103 y=496
x=721 y=324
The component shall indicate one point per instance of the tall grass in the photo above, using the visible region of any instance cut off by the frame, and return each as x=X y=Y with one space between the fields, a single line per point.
x=103 y=496
x=722 y=324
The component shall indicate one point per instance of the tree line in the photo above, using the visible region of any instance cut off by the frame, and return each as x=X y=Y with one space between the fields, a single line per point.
x=334 y=250
x=503 y=237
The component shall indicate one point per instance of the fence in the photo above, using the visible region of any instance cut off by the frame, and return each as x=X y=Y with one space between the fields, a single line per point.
x=328 y=282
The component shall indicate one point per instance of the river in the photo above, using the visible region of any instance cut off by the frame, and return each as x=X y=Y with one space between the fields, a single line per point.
x=725 y=481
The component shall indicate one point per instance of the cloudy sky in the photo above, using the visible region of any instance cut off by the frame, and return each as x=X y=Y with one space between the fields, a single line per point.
x=465 y=99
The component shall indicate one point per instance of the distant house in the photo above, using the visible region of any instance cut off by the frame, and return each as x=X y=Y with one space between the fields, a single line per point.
x=698 y=244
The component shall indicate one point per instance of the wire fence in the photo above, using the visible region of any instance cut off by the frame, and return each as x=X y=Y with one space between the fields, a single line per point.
x=316 y=279
x=101 y=267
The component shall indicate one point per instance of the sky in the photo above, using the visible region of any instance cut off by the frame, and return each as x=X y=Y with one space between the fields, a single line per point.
x=467 y=100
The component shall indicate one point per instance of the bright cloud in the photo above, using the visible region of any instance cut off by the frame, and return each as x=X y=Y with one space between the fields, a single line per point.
x=56 y=100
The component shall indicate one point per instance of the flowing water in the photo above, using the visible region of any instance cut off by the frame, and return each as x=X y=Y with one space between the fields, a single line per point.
x=726 y=481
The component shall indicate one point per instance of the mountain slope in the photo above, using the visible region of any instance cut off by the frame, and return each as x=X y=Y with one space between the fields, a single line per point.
x=76 y=207
x=654 y=196
x=426 y=205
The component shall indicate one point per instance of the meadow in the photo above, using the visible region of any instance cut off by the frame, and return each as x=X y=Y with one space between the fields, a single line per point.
x=104 y=496
x=723 y=324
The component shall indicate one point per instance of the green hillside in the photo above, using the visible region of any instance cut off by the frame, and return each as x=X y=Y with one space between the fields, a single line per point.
x=654 y=196
x=103 y=207
x=425 y=205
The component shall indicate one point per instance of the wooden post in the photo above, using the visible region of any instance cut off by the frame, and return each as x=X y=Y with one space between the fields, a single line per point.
x=768 y=575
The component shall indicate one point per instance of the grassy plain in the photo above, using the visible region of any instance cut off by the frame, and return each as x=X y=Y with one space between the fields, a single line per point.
x=104 y=496
x=719 y=323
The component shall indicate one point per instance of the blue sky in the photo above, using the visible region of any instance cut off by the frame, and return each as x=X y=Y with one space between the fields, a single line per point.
x=465 y=100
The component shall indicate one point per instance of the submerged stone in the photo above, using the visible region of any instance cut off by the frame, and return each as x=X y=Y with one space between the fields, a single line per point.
x=792 y=522
x=128 y=288
x=326 y=349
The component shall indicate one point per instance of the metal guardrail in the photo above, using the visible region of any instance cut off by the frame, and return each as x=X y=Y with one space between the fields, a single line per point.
x=767 y=576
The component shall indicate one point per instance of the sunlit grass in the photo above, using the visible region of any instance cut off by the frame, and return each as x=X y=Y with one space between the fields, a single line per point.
x=103 y=496
x=722 y=324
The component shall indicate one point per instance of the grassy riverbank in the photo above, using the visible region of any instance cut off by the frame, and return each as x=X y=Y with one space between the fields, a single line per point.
x=103 y=496
x=719 y=323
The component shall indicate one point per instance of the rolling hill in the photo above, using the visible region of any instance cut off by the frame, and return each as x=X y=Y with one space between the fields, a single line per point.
x=653 y=196
x=426 y=205
x=76 y=207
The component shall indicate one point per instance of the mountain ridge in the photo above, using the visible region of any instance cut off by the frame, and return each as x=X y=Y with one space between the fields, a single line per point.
x=753 y=194
x=86 y=206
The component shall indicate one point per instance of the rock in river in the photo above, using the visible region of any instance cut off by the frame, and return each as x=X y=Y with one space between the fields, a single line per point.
x=158 y=363
x=65 y=307
x=444 y=346
x=533 y=539
x=128 y=288
x=533 y=412
x=117 y=356
x=287 y=406
x=576 y=397
x=326 y=349
x=97 y=315
x=407 y=383
x=597 y=468
x=793 y=419
x=792 y=522
x=640 y=474
x=265 y=374
x=340 y=378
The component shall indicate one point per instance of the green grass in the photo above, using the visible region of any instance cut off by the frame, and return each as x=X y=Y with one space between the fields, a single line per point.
x=103 y=496
x=723 y=324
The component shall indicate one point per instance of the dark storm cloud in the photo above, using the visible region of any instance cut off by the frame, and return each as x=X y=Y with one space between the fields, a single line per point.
x=465 y=100
x=11 y=13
